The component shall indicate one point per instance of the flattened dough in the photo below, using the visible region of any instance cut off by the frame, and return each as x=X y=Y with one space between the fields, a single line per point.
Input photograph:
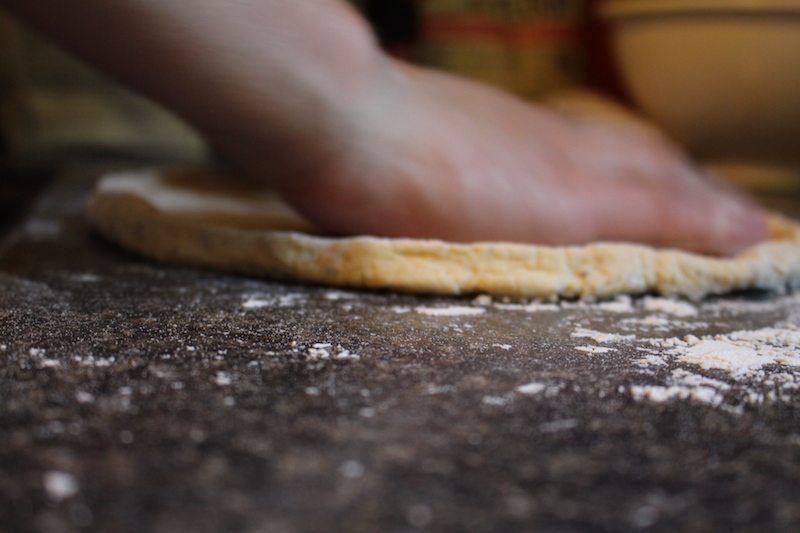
x=201 y=219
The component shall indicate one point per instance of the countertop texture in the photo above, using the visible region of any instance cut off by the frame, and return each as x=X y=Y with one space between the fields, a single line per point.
x=138 y=397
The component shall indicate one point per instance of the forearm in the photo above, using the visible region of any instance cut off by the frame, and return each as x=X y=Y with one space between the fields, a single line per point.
x=281 y=64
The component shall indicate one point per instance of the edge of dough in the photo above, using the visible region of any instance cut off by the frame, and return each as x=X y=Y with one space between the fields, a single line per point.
x=598 y=270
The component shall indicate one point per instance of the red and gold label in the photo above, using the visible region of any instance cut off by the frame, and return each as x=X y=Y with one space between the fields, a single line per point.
x=530 y=47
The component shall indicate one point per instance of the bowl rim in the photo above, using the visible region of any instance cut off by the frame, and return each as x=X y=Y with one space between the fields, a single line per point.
x=616 y=9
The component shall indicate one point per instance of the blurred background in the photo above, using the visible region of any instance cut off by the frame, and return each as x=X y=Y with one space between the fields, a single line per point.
x=720 y=76
x=54 y=110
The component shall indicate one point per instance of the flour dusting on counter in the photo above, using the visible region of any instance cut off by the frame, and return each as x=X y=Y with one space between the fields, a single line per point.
x=532 y=307
x=595 y=349
x=669 y=306
x=532 y=388
x=278 y=300
x=454 y=310
x=536 y=388
x=621 y=304
x=327 y=351
x=599 y=336
x=728 y=370
x=754 y=360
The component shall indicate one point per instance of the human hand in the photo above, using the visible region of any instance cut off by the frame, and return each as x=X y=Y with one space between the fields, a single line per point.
x=434 y=156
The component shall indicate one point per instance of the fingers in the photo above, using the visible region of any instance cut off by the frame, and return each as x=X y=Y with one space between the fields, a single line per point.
x=682 y=211
x=649 y=191
x=704 y=214
x=714 y=222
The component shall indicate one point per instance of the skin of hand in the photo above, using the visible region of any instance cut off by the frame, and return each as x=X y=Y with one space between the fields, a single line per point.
x=299 y=93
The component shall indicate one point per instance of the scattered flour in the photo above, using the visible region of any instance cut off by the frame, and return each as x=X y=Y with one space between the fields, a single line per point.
x=685 y=377
x=722 y=355
x=90 y=360
x=761 y=365
x=661 y=394
x=532 y=307
x=742 y=352
x=736 y=307
x=661 y=323
x=669 y=306
x=282 y=300
x=745 y=356
x=256 y=303
x=600 y=337
x=595 y=349
x=652 y=321
x=38 y=354
x=497 y=401
x=60 y=485
x=531 y=388
x=223 y=379
x=683 y=385
x=621 y=304
x=346 y=355
x=339 y=295
x=326 y=351
x=315 y=354
x=432 y=390
x=535 y=388
x=84 y=397
x=455 y=310
x=749 y=358
x=650 y=360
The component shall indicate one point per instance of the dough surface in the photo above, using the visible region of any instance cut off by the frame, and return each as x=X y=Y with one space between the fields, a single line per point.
x=199 y=218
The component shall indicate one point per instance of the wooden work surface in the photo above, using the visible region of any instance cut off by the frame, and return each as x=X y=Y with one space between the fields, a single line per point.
x=139 y=397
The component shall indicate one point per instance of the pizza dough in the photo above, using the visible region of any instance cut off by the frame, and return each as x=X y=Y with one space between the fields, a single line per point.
x=201 y=219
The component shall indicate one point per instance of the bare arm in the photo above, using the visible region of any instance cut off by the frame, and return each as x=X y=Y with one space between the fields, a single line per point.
x=297 y=91
x=289 y=66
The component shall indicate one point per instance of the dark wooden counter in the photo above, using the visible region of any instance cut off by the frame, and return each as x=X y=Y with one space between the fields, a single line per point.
x=142 y=397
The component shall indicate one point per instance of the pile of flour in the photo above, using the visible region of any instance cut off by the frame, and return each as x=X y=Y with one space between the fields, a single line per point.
x=728 y=370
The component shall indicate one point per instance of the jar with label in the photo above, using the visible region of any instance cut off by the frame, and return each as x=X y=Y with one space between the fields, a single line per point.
x=530 y=47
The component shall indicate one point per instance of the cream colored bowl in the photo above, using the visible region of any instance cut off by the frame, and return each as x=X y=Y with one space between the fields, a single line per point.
x=722 y=76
